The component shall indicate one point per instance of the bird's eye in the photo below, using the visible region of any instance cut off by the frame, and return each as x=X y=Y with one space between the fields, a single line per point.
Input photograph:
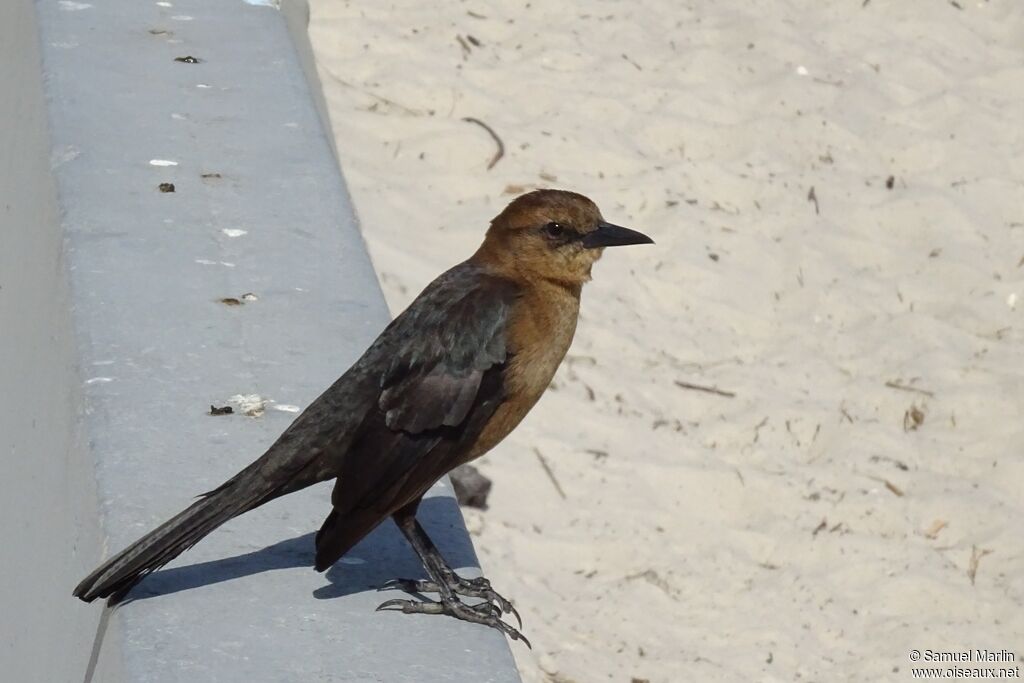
x=553 y=229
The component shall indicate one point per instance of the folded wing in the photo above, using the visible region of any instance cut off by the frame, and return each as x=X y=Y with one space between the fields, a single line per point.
x=443 y=360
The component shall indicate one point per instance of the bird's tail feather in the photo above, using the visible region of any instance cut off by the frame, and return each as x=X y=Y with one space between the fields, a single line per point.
x=116 y=576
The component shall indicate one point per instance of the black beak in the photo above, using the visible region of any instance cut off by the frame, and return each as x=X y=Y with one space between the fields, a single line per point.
x=608 y=235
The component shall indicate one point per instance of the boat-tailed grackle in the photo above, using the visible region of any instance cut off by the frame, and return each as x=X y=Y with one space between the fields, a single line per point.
x=448 y=379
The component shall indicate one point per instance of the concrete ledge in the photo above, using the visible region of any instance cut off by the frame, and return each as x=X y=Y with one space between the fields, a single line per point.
x=48 y=498
x=215 y=98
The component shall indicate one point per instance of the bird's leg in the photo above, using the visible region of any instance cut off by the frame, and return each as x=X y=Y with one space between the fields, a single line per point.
x=473 y=588
x=448 y=585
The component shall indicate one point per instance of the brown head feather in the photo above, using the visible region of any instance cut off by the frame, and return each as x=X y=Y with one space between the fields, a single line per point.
x=537 y=237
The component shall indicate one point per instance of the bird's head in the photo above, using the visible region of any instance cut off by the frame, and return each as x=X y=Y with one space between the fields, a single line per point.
x=553 y=235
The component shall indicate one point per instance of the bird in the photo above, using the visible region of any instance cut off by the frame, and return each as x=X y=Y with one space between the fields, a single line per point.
x=445 y=382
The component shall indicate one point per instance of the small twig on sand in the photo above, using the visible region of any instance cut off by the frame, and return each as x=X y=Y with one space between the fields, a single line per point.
x=637 y=66
x=652 y=577
x=896 y=490
x=893 y=384
x=757 y=428
x=710 y=390
x=976 y=555
x=812 y=196
x=893 y=488
x=501 y=145
x=380 y=98
x=551 y=475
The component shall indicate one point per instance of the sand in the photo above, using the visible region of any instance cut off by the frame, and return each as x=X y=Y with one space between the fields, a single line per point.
x=837 y=195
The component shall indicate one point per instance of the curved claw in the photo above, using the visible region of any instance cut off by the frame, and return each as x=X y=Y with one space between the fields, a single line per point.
x=503 y=603
x=394 y=605
x=514 y=634
x=507 y=606
x=504 y=606
x=493 y=611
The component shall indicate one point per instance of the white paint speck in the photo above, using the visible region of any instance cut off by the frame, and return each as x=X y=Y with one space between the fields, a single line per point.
x=802 y=71
x=208 y=262
x=1011 y=300
x=234 y=232
x=182 y=17
x=164 y=4
x=202 y=85
x=69 y=6
x=276 y=4
x=99 y=380
x=179 y=117
x=291 y=124
x=62 y=155
x=249 y=296
x=285 y=407
x=162 y=162
x=103 y=362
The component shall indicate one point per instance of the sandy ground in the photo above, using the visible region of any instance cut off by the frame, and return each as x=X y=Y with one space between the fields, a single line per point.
x=819 y=521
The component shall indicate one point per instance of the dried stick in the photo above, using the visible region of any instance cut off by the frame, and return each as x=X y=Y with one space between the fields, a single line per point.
x=501 y=145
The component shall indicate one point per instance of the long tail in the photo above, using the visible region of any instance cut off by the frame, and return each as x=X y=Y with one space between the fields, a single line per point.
x=243 y=492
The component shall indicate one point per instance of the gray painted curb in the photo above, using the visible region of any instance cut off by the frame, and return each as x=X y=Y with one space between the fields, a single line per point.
x=106 y=430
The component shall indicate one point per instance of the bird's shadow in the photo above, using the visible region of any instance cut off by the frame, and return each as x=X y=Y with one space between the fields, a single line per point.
x=381 y=556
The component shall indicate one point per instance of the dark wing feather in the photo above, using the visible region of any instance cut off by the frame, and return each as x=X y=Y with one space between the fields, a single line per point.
x=447 y=339
x=443 y=382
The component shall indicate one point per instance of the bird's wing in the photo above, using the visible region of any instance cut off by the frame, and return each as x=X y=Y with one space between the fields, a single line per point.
x=440 y=384
x=444 y=342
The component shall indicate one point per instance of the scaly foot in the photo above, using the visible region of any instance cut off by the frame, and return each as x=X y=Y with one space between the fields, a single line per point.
x=472 y=588
x=485 y=613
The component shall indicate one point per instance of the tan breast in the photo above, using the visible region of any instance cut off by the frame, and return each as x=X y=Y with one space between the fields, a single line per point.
x=540 y=331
